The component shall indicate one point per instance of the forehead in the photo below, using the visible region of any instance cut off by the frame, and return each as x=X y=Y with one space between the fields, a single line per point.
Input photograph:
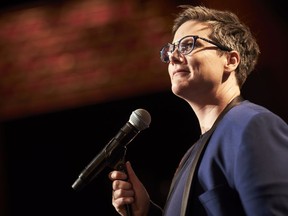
x=192 y=28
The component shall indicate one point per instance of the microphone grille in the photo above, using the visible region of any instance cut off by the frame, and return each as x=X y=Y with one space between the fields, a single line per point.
x=140 y=118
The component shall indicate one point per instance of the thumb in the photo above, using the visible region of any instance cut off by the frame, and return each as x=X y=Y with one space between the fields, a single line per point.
x=132 y=177
x=141 y=196
x=130 y=172
x=136 y=183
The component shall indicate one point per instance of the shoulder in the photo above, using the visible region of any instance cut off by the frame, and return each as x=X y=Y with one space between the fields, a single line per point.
x=250 y=114
x=248 y=124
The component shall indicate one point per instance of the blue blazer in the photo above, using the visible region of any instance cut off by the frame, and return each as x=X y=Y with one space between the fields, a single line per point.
x=243 y=171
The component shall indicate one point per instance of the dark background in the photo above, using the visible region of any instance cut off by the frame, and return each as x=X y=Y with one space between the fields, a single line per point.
x=44 y=151
x=46 y=154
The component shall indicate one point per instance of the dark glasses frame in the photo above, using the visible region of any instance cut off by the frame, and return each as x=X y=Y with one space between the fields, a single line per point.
x=170 y=47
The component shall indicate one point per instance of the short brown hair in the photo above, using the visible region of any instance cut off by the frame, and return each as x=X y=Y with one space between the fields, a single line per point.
x=227 y=30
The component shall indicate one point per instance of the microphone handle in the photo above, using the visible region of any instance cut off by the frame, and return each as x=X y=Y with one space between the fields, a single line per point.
x=122 y=167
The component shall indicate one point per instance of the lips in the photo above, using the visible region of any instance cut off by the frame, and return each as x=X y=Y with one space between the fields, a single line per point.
x=180 y=70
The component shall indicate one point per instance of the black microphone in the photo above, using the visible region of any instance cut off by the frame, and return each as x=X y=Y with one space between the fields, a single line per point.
x=111 y=154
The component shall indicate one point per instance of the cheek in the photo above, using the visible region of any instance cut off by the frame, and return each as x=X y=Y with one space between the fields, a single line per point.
x=195 y=65
x=205 y=64
x=170 y=70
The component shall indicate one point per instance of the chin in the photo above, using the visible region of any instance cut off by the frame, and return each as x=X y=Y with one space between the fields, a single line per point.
x=177 y=91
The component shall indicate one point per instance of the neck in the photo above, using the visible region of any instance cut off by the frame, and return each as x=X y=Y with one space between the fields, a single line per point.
x=207 y=113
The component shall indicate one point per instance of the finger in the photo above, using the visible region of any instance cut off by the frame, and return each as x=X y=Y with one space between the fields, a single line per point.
x=125 y=195
x=120 y=200
x=117 y=175
x=119 y=207
x=130 y=171
x=120 y=184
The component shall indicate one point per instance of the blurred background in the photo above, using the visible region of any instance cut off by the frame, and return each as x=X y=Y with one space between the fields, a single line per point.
x=73 y=71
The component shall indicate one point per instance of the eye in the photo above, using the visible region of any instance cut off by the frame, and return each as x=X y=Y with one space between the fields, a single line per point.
x=186 y=45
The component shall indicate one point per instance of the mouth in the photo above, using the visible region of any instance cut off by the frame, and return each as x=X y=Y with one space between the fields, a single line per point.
x=180 y=71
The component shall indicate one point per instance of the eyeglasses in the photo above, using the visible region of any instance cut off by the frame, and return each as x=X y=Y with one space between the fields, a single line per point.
x=185 y=46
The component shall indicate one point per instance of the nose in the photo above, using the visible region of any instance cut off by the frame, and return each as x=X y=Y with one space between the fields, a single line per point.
x=175 y=56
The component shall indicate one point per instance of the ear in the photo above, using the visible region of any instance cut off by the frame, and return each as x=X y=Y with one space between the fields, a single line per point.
x=233 y=60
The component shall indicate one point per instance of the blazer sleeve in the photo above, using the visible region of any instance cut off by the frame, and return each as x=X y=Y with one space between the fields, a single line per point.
x=261 y=168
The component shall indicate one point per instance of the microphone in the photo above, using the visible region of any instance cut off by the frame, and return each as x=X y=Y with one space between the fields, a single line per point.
x=115 y=149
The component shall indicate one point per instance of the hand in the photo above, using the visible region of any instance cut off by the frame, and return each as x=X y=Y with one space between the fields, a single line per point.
x=131 y=192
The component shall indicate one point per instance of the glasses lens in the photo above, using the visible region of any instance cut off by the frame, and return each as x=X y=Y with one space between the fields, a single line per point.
x=186 y=45
x=164 y=53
